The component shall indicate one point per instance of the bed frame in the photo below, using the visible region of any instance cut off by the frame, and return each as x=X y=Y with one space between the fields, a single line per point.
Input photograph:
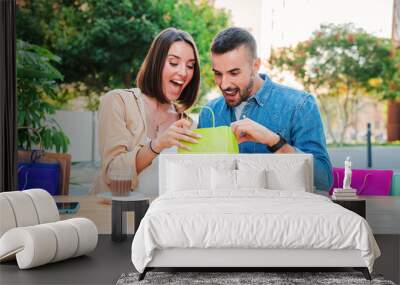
x=246 y=259
x=249 y=259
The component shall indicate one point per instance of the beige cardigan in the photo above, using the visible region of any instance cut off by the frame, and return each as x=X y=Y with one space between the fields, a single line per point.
x=122 y=132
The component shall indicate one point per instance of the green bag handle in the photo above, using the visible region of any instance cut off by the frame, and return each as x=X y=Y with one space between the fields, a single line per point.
x=208 y=108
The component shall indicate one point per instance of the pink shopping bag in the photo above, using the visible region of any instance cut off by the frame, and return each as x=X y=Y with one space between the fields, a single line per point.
x=370 y=182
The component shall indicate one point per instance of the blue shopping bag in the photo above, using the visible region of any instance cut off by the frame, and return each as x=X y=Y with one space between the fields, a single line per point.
x=35 y=174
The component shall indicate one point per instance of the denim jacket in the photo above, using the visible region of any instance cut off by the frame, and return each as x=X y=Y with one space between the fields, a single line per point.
x=291 y=113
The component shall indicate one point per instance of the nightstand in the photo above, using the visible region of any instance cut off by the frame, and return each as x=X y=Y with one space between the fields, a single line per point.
x=357 y=206
x=134 y=202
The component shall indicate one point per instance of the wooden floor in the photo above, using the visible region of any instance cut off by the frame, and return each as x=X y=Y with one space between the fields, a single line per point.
x=103 y=266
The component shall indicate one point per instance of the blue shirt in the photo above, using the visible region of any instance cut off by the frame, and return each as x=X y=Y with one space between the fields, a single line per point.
x=292 y=113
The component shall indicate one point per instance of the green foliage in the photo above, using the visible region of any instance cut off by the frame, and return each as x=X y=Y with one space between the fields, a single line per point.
x=340 y=59
x=203 y=22
x=340 y=64
x=36 y=88
x=102 y=43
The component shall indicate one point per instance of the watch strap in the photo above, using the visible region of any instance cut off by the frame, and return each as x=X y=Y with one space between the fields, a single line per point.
x=278 y=145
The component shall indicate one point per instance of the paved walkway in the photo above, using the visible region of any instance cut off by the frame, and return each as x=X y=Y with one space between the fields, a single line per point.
x=383 y=157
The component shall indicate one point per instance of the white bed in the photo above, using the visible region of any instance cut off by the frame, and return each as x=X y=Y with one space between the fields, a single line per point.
x=213 y=211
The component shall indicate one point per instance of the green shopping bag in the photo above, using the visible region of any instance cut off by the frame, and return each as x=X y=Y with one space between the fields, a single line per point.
x=213 y=140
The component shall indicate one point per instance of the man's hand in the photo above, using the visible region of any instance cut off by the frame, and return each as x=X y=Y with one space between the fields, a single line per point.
x=248 y=130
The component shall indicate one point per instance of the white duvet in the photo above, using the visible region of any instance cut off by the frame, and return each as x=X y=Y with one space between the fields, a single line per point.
x=252 y=218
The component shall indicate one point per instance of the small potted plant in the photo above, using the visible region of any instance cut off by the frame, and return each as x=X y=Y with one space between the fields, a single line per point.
x=36 y=91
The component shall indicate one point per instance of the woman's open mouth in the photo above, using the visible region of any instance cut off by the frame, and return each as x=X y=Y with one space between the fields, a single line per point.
x=177 y=83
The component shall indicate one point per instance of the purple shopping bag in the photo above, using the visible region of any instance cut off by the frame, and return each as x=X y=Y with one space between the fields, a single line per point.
x=369 y=182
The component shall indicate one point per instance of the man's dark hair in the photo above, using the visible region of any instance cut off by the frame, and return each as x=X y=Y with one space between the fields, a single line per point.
x=232 y=38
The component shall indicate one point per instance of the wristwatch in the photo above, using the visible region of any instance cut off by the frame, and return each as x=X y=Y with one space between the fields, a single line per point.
x=278 y=145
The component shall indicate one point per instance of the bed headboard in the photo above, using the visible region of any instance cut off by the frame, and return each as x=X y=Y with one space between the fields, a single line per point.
x=285 y=163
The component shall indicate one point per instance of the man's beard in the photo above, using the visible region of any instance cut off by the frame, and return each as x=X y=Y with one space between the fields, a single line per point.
x=244 y=93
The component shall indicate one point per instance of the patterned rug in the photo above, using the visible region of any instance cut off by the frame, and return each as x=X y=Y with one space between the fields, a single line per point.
x=242 y=278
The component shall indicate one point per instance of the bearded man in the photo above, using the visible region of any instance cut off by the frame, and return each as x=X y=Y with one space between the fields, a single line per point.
x=265 y=117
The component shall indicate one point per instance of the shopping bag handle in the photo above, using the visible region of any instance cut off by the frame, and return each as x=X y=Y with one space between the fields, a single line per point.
x=208 y=108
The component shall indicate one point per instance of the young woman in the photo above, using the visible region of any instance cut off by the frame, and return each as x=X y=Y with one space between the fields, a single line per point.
x=135 y=125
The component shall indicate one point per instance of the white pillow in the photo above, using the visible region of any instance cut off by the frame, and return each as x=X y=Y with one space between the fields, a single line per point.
x=293 y=179
x=183 y=177
x=223 y=179
x=251 y=178
x=236 y=179
x=285 y=174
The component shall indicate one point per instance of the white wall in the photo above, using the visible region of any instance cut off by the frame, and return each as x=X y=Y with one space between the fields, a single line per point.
x=79 y=127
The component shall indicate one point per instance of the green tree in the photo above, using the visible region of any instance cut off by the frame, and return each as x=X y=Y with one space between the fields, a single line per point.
x=339 y=64
x=102 y=43
x=36 y=89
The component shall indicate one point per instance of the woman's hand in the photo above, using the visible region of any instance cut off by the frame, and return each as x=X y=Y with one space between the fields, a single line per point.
x=178 y=131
